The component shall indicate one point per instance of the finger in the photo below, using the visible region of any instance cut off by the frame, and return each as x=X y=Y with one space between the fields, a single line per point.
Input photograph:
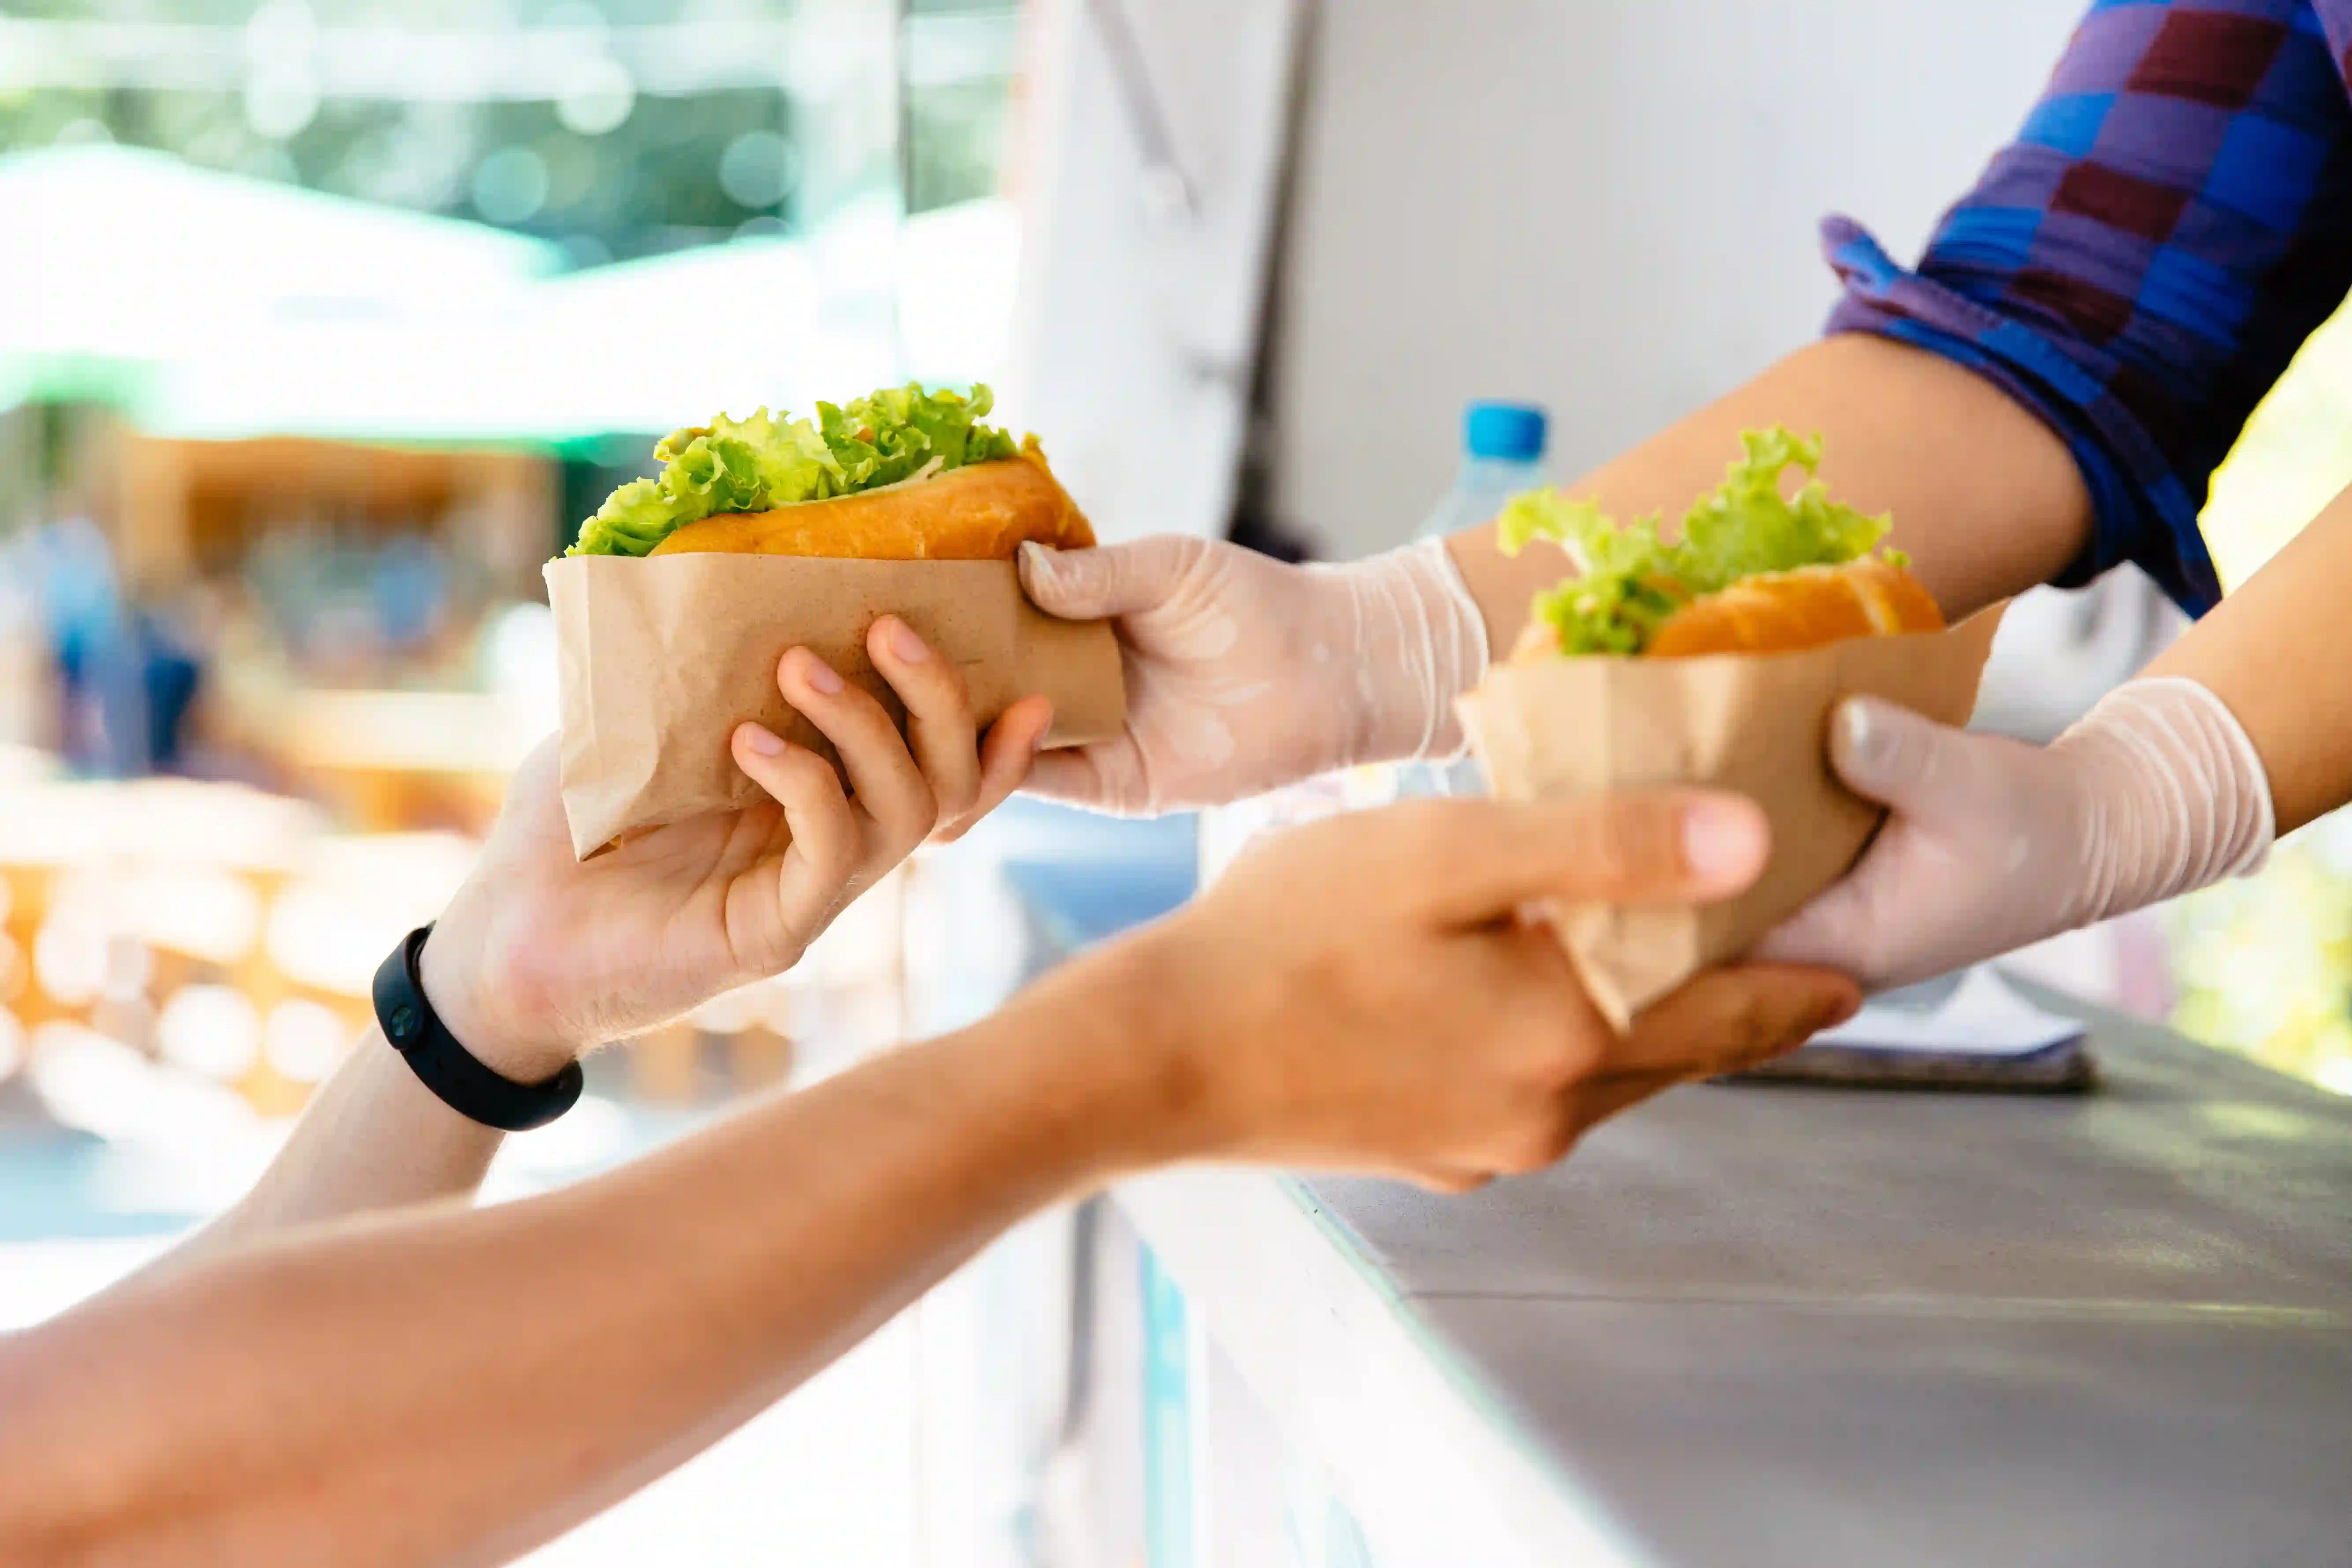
x=1105 y=778
x=1729 y=1019
x=768 y=924
x=1595 y=1101
x=1115 y=580
x=1451 y=1182
x=1843 y=929
x=1888 y=754
x=1006 y=755
x=939 y=728
x=1475 y=861
x=889 y=787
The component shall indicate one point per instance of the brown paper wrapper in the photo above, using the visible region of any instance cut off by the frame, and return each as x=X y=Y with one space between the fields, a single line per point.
x=661 y=658
x=1756 y=725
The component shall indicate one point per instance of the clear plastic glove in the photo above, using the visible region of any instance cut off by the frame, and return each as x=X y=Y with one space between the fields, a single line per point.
x=1244 y=673
x=1993 y=844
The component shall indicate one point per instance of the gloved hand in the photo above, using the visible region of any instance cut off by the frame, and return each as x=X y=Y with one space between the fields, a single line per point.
x=1244 y=673
x=1993 y=844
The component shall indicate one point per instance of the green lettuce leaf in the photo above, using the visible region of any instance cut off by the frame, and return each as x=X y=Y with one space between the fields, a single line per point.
x=771 y=461
x=1631 y=577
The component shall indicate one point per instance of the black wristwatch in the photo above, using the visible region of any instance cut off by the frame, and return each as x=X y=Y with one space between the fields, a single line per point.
x=446 y=1067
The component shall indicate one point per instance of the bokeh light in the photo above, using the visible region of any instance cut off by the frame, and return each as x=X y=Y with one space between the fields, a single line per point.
x=212 y=1031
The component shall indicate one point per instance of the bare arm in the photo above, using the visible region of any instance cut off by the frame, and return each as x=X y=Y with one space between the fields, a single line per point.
x=373 y=1137
x=1985 y=498
x=539 y=956
x=2278 y=653
x=451 y=1385
x=445 y=1384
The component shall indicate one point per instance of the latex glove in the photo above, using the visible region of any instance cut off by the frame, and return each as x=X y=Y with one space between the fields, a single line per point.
x=1993 y=844
x=1244 y=673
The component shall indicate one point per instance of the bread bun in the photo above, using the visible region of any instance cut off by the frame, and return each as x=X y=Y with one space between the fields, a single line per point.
x=1781 y=612
x=983 y=512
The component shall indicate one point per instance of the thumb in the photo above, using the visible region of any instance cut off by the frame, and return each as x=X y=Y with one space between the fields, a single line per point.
x=1471 y=861
x=1842 y=930
x=1889 y=754
x=1112 y=580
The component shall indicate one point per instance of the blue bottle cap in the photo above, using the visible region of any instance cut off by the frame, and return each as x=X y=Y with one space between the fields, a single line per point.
x=1513 y=432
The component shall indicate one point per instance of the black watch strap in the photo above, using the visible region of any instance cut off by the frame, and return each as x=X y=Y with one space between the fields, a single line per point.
x=447 y=1068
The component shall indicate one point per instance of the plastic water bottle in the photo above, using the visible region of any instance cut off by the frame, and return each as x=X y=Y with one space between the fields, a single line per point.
x=1502 y=455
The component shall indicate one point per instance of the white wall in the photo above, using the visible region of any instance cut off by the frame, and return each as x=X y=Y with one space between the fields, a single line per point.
x=1136 y=333
x=1606 y=205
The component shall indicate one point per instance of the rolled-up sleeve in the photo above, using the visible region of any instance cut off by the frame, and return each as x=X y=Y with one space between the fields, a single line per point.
x=2141 y=264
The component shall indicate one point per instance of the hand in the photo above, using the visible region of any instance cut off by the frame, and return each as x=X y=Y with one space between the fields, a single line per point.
x=1360 y=994
x=1992 y=844
x=541 y=957
x=1244 y=673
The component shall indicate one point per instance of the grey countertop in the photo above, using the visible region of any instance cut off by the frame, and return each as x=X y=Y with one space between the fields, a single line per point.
x=1776 y=1325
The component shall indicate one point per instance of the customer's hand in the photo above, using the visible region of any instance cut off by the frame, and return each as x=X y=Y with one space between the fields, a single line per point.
x=1244 y=673
x=541 y=957
x=1992 y=844
x=1360 y=994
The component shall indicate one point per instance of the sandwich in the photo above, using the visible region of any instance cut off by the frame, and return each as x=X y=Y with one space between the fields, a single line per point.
x=1750 y=571
x=902 y=475
x=800 y=532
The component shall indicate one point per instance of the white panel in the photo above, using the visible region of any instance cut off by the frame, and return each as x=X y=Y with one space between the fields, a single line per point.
x=1136 y=337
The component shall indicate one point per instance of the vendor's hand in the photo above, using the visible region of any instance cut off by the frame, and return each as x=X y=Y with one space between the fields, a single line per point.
x=1244 y=674
x=1362 y=993
x=1992 y=844
x=541 y=956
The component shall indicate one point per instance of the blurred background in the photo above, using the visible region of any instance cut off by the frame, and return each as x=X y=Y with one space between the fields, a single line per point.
x=322 y=324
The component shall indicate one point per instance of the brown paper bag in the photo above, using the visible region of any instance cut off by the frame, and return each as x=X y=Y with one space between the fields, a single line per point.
x=661 y=658
x=1756 y=724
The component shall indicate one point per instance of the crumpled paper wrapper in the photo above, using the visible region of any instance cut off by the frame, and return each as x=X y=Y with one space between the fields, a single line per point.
x=660 y=658
x=1754 y=723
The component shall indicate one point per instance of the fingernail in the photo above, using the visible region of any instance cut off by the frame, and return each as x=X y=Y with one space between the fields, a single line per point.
x=906 y=645
x=1721 y=842
x=822 y=677
x=1036 y=557
x=762 y=740
x=1855 y=733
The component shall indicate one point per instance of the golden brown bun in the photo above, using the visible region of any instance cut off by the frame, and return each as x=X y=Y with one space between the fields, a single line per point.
x=983 y=512
x=1781 y=612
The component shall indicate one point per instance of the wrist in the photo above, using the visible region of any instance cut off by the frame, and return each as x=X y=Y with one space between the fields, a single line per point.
x=1423 y=642
x=461 y=981
x=1104 y=1064
x=2172 y=796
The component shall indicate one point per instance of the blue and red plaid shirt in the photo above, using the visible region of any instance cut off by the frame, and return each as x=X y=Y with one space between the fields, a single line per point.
x=2140 y=265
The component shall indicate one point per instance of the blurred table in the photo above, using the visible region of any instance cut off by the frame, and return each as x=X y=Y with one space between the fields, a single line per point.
x=1765 y=1326
x=394 y=759
x=122 y=896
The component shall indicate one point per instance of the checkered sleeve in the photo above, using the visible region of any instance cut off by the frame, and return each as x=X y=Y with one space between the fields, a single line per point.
x=2140 y=265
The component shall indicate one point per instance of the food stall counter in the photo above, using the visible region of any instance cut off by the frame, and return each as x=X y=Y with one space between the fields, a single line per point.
x=1813 y=1326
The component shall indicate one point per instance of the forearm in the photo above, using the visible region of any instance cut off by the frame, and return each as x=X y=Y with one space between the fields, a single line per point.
x=1986 y=499
x=452 y=1385
x=373 y=1137
x=2278 y=653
